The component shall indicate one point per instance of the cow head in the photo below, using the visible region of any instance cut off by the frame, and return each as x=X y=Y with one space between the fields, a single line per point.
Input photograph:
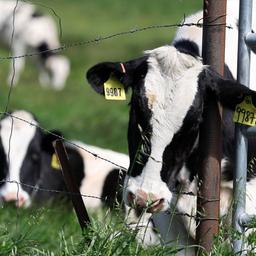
x=24 y=152
x=169 y=88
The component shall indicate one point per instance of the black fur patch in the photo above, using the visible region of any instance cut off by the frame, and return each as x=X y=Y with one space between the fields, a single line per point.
x=187 y=47
x=36 y=14
x=3 y=163
x=44 y=51
x=111 y=191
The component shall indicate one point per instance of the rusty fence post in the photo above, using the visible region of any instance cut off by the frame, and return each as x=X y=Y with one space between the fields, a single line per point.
x=75 y=195
x=210 y=131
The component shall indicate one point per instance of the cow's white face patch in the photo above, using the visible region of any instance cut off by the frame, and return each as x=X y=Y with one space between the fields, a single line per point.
x=16 y=136
x=171 y=85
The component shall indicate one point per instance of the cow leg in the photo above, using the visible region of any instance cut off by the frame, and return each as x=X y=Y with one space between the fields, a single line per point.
x=17 y=64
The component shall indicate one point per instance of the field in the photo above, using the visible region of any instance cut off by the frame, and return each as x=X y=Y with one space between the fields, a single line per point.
x=83 y=115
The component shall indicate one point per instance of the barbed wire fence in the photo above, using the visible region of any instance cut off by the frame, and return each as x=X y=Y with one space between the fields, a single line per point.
x=64 y=47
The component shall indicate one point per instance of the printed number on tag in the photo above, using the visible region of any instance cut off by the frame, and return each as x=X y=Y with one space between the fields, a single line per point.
x=55 y=163
x=113 y=89
x=245 y=112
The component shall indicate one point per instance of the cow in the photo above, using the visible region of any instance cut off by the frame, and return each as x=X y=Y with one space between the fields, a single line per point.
x=170 y=86
x=24 y=30
x=29 y=174
x=194 y=33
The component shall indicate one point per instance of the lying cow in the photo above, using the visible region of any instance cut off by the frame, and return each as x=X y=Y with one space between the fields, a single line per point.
x=170 y=86
x=26 y=161
x=32 y=32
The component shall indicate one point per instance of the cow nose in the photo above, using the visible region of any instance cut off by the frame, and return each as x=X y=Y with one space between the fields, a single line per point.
x=18 y=198
x=148 y=201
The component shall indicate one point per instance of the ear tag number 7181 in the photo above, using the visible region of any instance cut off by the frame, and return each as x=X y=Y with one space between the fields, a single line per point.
x=245 y=112
x=113 y=89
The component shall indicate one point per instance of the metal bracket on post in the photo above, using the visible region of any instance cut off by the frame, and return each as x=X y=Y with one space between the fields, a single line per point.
x=250 y=40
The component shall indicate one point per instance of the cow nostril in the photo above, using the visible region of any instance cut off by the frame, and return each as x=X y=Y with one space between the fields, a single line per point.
x=130 y=197
x=14 y=197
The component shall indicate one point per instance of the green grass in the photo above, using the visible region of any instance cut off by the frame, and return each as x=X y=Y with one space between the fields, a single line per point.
x=81 y=114
x=55 y=231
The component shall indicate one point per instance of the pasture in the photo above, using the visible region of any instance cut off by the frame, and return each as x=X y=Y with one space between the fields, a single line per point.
x=82 y=114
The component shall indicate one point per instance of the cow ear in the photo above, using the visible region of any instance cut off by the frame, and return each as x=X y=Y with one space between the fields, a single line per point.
x=48 y=139
x=124 y=72
x=100 y=73
x=228 y=92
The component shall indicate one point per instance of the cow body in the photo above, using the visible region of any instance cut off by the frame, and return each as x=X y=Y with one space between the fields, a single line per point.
x=23 y=29
x=26 y=153
x=194 y=33
x=170 y=88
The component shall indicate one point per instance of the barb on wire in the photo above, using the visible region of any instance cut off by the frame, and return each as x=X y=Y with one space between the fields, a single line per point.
x=47 y=190
x=118 y=34
x=36 y=188
x=64 y=139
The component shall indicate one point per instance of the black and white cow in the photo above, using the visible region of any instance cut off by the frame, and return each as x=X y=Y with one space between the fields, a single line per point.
x=33 y=32
x=170 y=86
x=194 y=33
x=26 y=161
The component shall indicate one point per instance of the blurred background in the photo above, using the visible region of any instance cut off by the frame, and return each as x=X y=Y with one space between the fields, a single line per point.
x=77 y=110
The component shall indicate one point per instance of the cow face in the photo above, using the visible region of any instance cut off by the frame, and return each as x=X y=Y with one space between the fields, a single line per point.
x=25 y=151
x=169 y=86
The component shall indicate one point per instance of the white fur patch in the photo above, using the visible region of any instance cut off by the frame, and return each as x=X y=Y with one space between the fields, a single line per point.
x=29 y=34
x=96 y=171
x=195 y=34
x=173 y=80
x=16 y=137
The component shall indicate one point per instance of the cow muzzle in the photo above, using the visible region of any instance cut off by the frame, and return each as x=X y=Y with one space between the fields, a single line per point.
x=149 y=202
x=146 y=195
x=21 y=200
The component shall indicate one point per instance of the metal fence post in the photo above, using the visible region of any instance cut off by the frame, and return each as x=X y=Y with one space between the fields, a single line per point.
x=210 y=131
x=243 y=76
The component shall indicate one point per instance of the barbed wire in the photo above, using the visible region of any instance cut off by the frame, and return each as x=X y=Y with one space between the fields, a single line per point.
x=96 y=40
x=122 y=168
x=118 y=34
x=63 y=138
x=18 y=183
x=68 y=193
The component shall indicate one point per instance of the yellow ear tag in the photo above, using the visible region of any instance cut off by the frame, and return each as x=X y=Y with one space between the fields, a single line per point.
x=55 y=163
x=113 y=89
x=245 y=112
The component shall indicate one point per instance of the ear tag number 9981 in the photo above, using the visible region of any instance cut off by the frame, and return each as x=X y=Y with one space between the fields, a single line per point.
x=113 y=89
x=245 y=112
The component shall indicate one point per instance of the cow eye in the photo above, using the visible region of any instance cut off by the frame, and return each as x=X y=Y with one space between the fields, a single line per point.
x=35 y=157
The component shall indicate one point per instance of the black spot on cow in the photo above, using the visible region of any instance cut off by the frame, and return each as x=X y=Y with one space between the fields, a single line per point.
x=37 y=14
x=3 y=164
x=111 y=191
x=44 y=51
x=187 y=47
